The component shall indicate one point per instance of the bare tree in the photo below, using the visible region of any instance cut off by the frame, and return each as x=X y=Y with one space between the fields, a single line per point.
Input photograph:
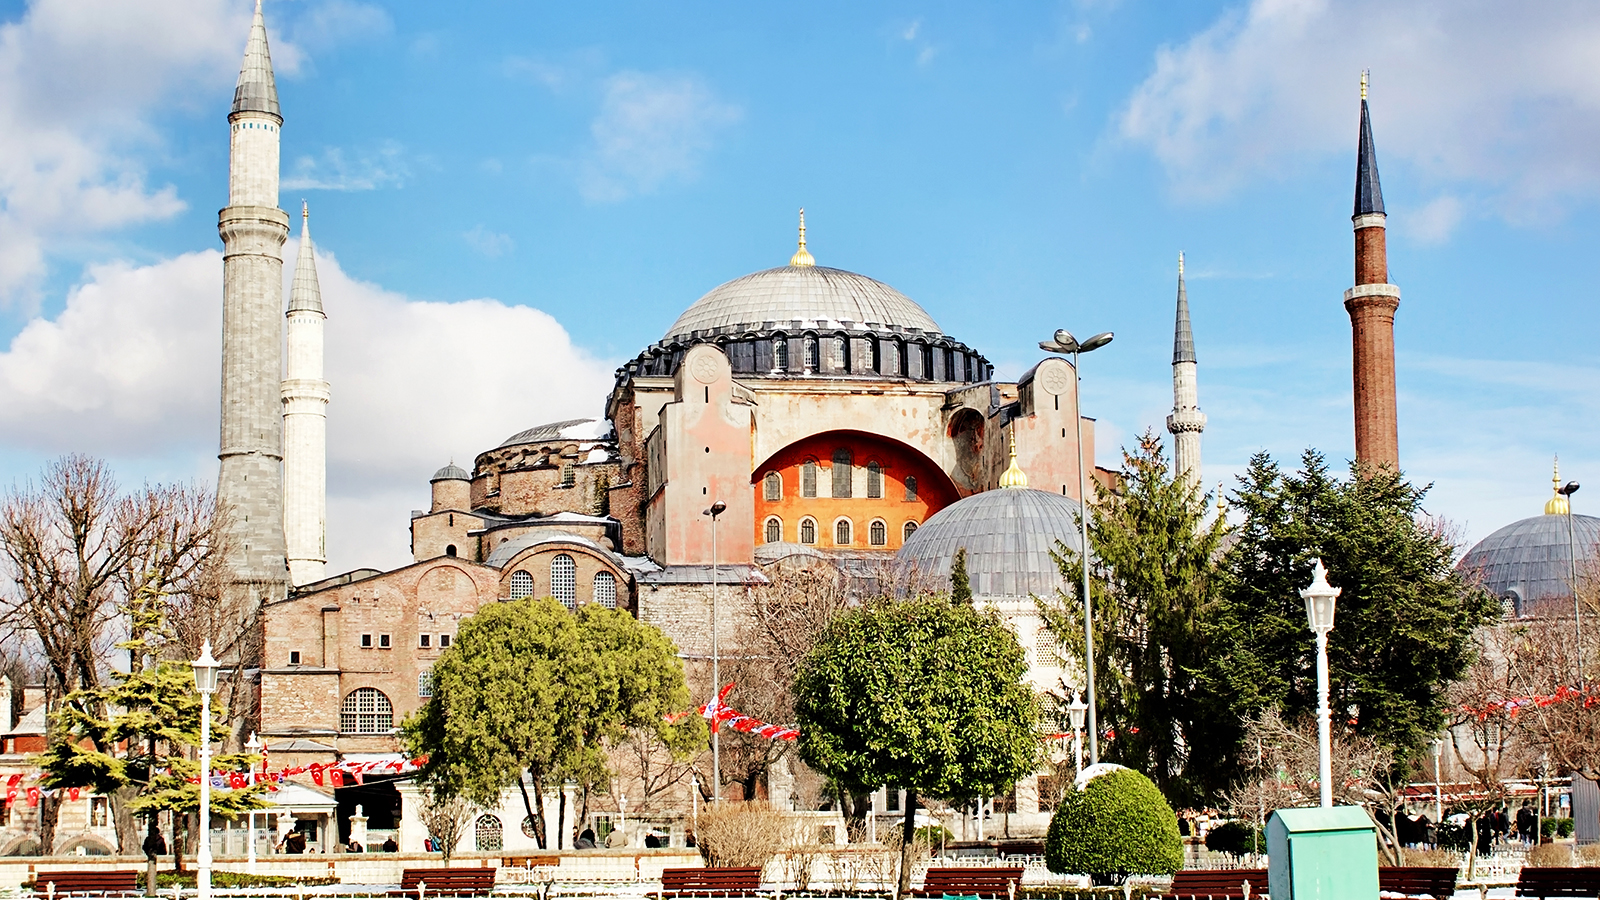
x=446 y=820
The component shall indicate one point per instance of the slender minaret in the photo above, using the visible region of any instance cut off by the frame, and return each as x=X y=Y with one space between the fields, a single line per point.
x=253 y=229
x=305 y=421
x=1372 y=304
x=1187 y=421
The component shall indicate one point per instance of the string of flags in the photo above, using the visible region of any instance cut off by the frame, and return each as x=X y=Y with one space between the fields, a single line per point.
x=336 y=774
x=720 y=713
x=1514 y=705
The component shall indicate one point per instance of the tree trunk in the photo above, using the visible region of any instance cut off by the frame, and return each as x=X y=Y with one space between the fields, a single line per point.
x=1472 y=850
x=180 y=833
x=127 y=828
x=908 y=837
x=537 y=815
x=152 y=848
x=561 y=819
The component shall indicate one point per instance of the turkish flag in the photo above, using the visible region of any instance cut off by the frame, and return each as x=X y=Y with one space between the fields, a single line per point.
x=338 y=778
x=73 y=793
x=316 y=773
x=33 y=796
x=236 y=780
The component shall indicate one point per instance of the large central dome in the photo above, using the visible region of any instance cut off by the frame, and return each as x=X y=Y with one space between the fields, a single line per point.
x=816 y=297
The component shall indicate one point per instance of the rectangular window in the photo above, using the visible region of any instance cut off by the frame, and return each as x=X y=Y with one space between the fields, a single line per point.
x=891 y=800
x=366 y=640
x=424 y=684
x=425 y=640
x=99 y=812
x=294 y=657
x=383 y=641
x=444 y=640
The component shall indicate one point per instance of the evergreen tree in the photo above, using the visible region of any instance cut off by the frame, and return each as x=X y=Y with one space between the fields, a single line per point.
x=960 y=584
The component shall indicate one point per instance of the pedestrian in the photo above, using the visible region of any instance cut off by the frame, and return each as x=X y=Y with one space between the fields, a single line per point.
x=389 y=846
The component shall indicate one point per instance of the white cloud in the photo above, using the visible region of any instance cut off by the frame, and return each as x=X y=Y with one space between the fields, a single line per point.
x=652 y=128
x=490 y=243
x=130 y=369
x=1436 y=220
x=337 y=171
x=1503 y=96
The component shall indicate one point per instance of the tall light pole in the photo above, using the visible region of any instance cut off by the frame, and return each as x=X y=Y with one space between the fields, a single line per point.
x=254 y=746
x=716 y=510
x=1320 y=597
x=1065 y=343
x=1438 y=789
x=1567 y=490
x=205 y=681
x=1075 y=712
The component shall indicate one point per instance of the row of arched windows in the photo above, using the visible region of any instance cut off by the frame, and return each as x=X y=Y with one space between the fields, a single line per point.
x=843 y=531
x=843 y=480
x=564 y=584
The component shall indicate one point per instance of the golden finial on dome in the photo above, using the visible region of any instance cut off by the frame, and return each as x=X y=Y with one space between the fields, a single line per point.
x=1222 y=501
x=1557 y=505
x=801 y=257
x=1014 y=477
x=1364 y=74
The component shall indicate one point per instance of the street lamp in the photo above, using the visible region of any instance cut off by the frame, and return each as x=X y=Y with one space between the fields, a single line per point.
x=205 y=681
x=1438 y=790
x=1075 y=712
x=254 y=746
x=716 y=510
x=1567 y=490
x=1064 y=342
x=1319 y=598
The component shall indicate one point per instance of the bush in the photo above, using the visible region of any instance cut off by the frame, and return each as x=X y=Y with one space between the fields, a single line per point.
x=1555 y=827
x=1550 y=855
x=1118 y=825
x=740 y=834
x=933 y=836
x=1235 y=839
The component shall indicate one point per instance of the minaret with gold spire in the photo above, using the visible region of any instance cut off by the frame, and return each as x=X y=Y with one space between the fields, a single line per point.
x=1372 y=304
x=801 y=257
x=1187 y=421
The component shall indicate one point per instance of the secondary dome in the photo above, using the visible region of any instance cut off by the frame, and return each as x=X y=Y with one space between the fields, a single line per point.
x=815 y=297
x=1531 y=559
x=1008 y=533
x=565 y=430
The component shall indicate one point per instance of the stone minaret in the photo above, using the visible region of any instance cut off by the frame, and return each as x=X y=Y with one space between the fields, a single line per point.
x=305 y=422
x=253 y=229
x=1372 y=304
x=1187 y=421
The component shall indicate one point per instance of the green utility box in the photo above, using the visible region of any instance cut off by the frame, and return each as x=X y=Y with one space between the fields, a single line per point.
x=1322 y=854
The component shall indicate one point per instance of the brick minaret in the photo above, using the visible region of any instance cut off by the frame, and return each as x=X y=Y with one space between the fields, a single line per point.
x=1371 y=304
x=253 y=229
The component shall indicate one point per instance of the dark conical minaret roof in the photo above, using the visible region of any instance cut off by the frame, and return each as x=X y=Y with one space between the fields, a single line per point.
x=1369 y=195
x=1183 y=335
x=257 y=91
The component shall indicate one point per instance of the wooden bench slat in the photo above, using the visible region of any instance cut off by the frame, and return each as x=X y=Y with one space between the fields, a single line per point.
x=1438 y=882
x=1217 y=883
x=125 y=881
x=983 y=881
x=1548 y=881
x=718 y=881
x=456 y=882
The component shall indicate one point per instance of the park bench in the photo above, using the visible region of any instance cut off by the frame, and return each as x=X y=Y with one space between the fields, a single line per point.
x=1019 y=848
x=1561 y=881
x=1217 y=883
x=967 y=881
x=87 y=881
x=711 y=881
x=452 y=882
x=1438 y=882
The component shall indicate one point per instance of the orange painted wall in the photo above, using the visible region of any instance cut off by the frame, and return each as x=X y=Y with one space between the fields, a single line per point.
x=934 y=490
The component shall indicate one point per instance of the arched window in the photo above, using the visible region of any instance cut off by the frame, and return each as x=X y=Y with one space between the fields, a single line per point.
x=366 y=711
x=605 y=589
x=568 y=478
x=774 y=486
x=774 y=530
x=911 y=487
x=841 y=533
x=521 y=585
x=875 y=358
x=907 y=531
x=488 y=833
x=780 y=353
x=808 y=478
x=813 y=354
x=840 y=354
x=808 y=531
x=564 y=580
x=874 y=480
x=900 y=358
x=843 y=472
x=450 y=550
x=878 y=533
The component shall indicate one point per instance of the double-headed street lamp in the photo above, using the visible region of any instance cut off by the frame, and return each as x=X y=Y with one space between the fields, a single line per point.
x=205 y=681
x=1320 y=597
x=716 y=510
x=1064 y=342
x=1567 y=490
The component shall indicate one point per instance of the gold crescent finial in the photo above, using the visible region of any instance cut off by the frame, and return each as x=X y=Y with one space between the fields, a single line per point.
x=305 y=210
x=801 y=257
x=1558 y=504
x=1014 y=477
x=1364 y=74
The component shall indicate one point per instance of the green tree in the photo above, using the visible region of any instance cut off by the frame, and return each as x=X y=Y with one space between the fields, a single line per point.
x=1117 y=825
x=1153 y=580
x=920 y=694
x=960 y=583
x=1405 y=620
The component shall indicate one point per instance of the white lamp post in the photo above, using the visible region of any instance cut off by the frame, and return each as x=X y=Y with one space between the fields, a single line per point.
x=716 y=669
x=1065 y=343
x=1438 y=789
x=1320 y=597
x=254 y=746
x=622 y=817
x=1076 y=710
x=205 y=681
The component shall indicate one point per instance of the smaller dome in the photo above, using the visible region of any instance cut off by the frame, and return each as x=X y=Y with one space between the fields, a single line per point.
x=565 y=430
x=1008 y=533
x=451 y=472
x=1531 y=559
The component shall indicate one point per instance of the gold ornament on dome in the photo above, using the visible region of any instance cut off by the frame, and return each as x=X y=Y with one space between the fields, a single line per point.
x=801 y=257
x=1014 y=477
x=1557 y=505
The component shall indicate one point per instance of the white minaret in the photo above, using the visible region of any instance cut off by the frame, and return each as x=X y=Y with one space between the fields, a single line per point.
x=253 y=229
x=305 y=422
x=1186 y=421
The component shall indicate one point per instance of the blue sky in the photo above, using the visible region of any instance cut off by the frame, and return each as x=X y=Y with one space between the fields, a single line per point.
x=509 y=199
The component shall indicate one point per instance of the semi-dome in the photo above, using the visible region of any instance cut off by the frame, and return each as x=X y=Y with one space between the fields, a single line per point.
x=1531 y=559
x=802 y=298
x=565 y=430
x=451 y=472
x=1009 y=534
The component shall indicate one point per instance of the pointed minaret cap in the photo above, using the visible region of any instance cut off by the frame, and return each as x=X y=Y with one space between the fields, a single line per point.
x=1014 y=477
x=256 y=91
x=306 y=293
x=801 y=257
x=1557 y=505
x=1183 y=335
x=1369 y=195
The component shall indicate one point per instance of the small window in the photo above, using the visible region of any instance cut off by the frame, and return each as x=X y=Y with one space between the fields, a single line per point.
x=909 y=529
x=487 y=833
x=568 y=477
x=564 y=580
x=780 y=353
x=813 y=355
x=808 y=531
x=450 y=550
x=878 y=533
x=874 y=481
x=294 y=657
x=911 y=487
x=383 y=641
x=424 y=684
x=521 y=585
x=808 y=478
x=444 y=641
x=605 y=589
x=425 y=640
x=774 y=486
x=843 y=473
x=366 y=640
x=774 y=530
x=891 y=800
x=841 y=533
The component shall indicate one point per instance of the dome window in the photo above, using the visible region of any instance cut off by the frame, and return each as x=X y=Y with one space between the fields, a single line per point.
x=841 y=533
x=808 y=478
x=774 y=530
x=564 y=580
x=780 y=353
x=878 y=533
x=773 y=485
x=911 y=487
x=521 y=585
x=605 y=589
x=843 y=473
x=813 y=355
x=907 y=531
x=808 y=531
x=874 y=480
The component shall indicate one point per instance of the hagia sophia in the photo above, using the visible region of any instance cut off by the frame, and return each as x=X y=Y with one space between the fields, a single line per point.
x=830 y=415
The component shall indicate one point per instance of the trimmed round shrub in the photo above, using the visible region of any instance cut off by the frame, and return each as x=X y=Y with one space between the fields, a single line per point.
x=1117 y=825
x=1235 y=839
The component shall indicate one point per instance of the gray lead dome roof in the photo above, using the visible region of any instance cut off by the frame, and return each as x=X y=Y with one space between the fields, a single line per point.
x=816 y=296
x=1008 y=533
x=1530 y=559
x=451 y=472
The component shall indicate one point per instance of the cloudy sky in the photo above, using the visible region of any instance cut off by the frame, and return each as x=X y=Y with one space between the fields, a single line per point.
x=509 y=199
